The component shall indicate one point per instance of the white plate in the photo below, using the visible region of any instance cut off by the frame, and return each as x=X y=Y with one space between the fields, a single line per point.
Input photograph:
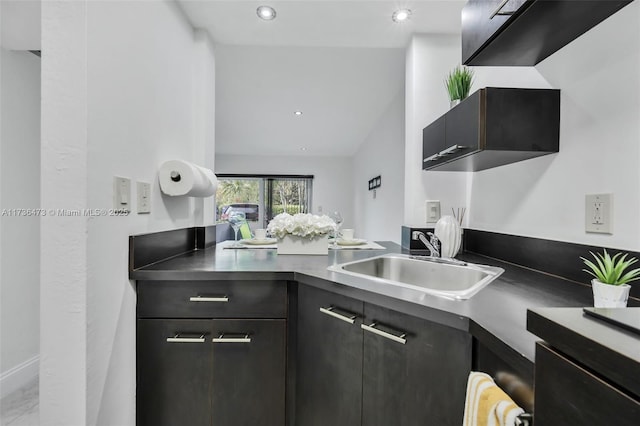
x=254 y=242
x=354 y=242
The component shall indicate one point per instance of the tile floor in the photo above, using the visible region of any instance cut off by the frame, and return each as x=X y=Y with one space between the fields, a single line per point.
x=21 y=408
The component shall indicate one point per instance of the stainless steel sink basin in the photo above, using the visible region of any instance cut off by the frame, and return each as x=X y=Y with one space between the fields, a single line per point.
x=441 y=277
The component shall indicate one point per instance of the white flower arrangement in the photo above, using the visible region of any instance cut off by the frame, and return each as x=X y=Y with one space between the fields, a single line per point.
x=304 y=225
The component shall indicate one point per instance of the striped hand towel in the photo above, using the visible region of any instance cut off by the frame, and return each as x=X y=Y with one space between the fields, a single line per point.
x=487 y=405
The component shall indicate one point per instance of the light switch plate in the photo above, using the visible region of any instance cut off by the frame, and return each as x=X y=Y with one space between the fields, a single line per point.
x=598 y=216
x=121 y=194
x=433 y=210
x=143 y=191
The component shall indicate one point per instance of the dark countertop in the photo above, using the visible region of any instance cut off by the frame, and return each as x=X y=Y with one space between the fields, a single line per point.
x=496 y=315
x=603 y=347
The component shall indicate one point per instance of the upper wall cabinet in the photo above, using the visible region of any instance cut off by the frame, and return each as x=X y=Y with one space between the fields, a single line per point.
x=492 y=127
x=524 y=32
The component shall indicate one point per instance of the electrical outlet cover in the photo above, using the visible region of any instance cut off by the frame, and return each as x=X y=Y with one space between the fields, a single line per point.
x=598 y=216
x=433 y=211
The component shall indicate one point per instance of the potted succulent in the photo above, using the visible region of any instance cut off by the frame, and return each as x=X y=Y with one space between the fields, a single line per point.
x=302 y=233
x=610 y=285
x=458 y=84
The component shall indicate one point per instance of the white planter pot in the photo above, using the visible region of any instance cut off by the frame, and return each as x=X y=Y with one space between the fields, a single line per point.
x=609 y=296
x=292 y=244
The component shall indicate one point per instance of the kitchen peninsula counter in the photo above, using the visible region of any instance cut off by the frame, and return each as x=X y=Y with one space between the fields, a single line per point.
x=496 y=316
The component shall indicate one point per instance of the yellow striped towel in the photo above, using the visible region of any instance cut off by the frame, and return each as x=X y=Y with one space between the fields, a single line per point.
x=486 y=404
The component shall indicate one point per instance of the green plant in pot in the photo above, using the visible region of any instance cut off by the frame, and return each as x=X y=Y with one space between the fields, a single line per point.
x=458 y=84
x=610 y=285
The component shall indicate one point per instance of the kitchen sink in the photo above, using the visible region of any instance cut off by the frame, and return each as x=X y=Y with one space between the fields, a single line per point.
x=448 y=278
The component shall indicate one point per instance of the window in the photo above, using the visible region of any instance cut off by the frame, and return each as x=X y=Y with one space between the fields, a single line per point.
x=262 y=197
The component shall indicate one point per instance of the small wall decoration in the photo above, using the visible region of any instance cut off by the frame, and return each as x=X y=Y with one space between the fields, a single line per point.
x=374 y=183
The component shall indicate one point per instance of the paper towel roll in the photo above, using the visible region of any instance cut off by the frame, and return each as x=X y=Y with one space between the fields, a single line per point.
x=179 y=177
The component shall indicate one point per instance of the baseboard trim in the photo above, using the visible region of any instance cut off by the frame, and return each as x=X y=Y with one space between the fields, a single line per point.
x=19 y=376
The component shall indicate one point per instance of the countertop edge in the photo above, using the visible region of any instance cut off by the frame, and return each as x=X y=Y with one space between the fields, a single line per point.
x=565 y=335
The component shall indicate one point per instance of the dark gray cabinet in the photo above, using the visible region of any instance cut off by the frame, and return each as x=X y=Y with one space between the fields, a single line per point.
x=174 y=377
x=360 y=364
x=220 y=371
x=414 y=372
x=433 y=141
x=567 y=393
x=519 y=32
x=329 y=359
x=493 y=127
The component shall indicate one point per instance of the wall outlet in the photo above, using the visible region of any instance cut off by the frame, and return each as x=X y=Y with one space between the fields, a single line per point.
x=599 y=213
x=121 y=194
x=143 y=189
x=433 y=211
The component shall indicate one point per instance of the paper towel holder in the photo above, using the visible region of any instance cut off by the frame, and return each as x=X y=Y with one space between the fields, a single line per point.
x=183 y=178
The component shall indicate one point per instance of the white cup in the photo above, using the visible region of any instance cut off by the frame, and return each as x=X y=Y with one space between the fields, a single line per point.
x=347 y=234
x=260 y=234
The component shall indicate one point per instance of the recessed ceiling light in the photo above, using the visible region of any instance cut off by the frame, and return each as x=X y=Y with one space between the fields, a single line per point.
x=298 y=113
x=303 y=149
x=401 y=15
x=266 y=12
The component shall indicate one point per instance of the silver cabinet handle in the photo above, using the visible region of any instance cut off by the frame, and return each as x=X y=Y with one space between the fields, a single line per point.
x=451 y=150
x=499 y=11
x=208 y=299
x=222 y=339
x=179 y=339
x=372 y=329
x=443 y=153
x=433 y=157
x=331 y=312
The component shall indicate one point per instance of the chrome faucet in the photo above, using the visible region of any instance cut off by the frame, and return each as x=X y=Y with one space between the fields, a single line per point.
x=433 y=244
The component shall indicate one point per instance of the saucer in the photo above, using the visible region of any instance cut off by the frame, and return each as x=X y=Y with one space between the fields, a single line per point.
x=264 y=242
x=354 y=242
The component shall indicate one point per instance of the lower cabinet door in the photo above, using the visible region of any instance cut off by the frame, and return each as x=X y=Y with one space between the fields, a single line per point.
x=329 y=359
x=414 y=372
x=211 y=372
x=249 y=361
x=174 y=367
x=567 y=394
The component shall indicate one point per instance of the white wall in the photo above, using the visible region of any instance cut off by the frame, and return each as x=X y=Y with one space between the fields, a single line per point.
x=332 y=183
x=381 y=153
x=63 y=240
x=137 y=96
x=599 y=75
x=429 y=59
x=19 y=189
x=20 y=24
x=599 y=133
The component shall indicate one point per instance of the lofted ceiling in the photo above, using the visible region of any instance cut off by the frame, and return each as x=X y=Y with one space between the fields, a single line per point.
x=341 y=92
x=339 y=62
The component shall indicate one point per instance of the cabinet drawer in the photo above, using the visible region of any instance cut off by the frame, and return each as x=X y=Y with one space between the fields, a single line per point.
x=567 y=394
x=212 y=299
